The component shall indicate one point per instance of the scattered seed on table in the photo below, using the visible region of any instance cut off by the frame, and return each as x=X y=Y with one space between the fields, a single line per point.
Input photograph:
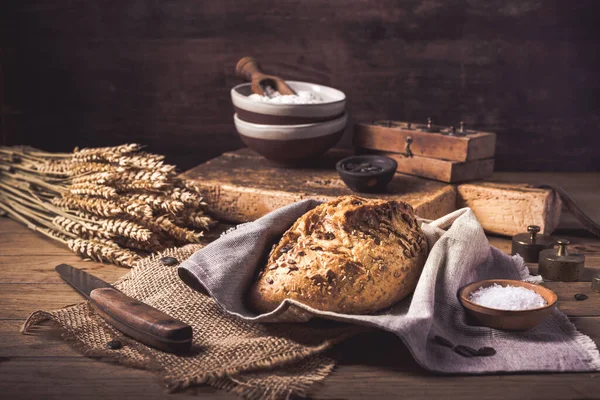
x=580 y=297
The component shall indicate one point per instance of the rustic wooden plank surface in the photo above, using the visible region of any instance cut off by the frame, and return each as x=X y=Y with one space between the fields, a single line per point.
x=41 y=365
x=241 y=186
x=97 y=73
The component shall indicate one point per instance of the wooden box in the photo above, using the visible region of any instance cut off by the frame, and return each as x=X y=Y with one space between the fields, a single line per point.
x=436 y=152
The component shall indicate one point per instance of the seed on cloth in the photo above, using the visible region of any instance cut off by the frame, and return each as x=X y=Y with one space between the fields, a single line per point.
x=169 y=261
x=580 y=297
x=486 y=351
x=465 y=350
x=443 y=341
x=114 y=344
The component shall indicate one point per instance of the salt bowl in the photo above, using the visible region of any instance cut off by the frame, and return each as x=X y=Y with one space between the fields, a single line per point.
x=512 y=320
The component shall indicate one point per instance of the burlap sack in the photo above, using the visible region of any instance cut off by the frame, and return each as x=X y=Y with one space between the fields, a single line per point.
x=248 y=358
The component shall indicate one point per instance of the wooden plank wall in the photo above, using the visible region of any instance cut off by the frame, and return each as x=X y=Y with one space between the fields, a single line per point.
x=104 y=72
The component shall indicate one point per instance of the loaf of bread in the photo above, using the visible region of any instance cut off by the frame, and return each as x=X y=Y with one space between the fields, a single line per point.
x=349 y=255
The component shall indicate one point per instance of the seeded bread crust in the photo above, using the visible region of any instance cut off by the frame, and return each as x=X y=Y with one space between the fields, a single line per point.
x=350 y=255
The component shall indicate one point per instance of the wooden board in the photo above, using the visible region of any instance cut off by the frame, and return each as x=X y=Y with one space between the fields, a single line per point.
x=375 y=365
x=241 y=186
x=441 y=170
x=391 y=136
x=507 y=209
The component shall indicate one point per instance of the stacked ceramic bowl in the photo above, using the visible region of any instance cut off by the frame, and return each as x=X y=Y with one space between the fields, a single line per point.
x=290 y=134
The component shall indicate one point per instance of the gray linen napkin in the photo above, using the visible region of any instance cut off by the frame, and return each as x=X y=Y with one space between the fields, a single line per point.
x=460 y=253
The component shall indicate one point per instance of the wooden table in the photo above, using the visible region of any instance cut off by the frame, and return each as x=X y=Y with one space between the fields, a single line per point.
x=41 y=366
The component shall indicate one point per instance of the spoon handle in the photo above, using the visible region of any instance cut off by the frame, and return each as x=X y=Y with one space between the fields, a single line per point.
x=248 y=69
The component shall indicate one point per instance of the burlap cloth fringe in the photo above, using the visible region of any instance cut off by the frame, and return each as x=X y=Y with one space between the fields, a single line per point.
x=247 y=358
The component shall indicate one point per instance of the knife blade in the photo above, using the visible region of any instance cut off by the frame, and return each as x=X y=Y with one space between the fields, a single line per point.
x=131 y=317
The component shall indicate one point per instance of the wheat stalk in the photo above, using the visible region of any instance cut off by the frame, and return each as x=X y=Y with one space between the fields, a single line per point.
x=189 y=185
x=159 y=202
x=127 y=229
x=72 y=226
x=166 y=225
x=90 y=189
x=137 y=209
x=101 y=250
x=102 y=207
x=195 y=218
x=102 y=178
x=187 y=197
x=103 y=153
x=56 y=167
x=80 y=168
x=102 y=201
x=145 y=161
x=124 y=180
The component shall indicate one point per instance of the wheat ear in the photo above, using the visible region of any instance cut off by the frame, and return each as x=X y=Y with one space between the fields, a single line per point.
x=100 y=251
x=102 y=207
x=91 y=189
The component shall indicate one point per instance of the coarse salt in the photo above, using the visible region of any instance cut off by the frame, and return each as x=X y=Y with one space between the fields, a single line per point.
x=301 y=97
x=508 y=297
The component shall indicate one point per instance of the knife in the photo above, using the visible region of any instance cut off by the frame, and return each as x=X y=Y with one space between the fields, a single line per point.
x=133 y=318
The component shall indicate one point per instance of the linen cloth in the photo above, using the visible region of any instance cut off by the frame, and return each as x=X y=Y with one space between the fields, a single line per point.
x=459 y=254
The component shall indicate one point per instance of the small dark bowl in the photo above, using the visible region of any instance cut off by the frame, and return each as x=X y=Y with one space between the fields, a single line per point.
x=367 y=181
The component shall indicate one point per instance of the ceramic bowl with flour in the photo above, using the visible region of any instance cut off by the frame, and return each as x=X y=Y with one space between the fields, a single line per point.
x=291 y=144
x=314 y=103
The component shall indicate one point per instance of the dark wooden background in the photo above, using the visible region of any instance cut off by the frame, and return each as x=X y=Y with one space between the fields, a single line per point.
x=101 y=72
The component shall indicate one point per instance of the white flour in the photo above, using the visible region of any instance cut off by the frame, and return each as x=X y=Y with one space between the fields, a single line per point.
x=302 y=97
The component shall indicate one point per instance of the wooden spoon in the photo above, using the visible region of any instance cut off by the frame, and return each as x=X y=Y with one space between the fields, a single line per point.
x=262 y=84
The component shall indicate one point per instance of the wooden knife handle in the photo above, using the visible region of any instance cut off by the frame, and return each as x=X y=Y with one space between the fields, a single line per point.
x=141 y=321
